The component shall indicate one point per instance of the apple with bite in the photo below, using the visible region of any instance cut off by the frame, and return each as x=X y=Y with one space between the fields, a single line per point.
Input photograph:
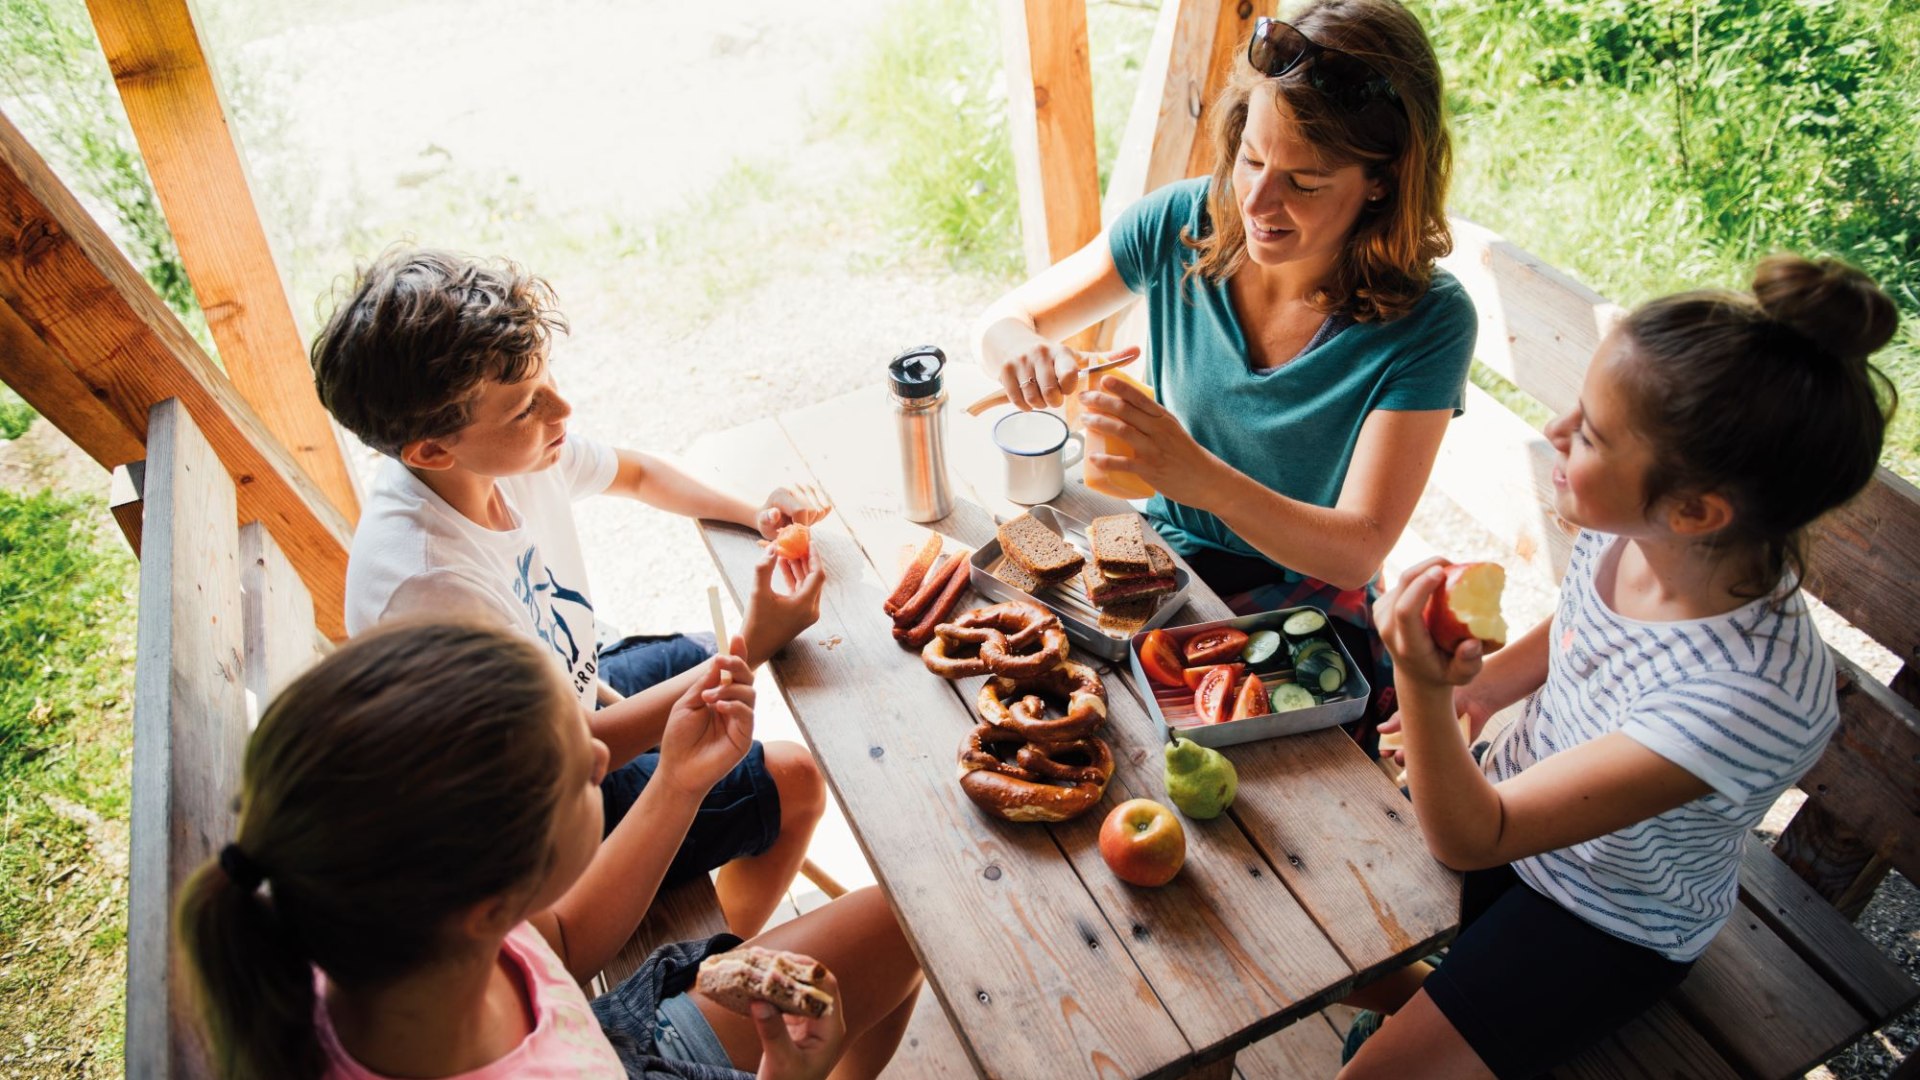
x=1143 y=843
x=1467 y=605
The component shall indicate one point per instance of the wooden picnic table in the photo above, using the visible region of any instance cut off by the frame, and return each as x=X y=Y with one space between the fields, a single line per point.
x=1046 y=964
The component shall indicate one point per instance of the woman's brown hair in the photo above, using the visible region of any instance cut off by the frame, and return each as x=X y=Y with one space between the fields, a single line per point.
x=1387 y=263
x=406 y=777
x=1766 y=398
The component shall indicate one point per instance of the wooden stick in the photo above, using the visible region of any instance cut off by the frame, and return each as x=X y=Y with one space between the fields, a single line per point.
x=720 y=639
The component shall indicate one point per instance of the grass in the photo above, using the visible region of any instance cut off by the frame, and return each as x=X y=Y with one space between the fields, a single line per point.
x=15 y=415
x=66 y=646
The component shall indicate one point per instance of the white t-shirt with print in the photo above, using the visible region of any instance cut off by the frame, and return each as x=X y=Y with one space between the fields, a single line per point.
x=415 y=555
x=1745 y=701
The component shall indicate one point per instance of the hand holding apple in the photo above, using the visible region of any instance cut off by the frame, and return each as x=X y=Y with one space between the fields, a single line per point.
x=1467 y=605
x=1143 y=843
x=1420 y=665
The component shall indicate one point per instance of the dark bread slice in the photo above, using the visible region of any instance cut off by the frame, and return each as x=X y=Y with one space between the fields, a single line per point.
x=1039 y=550
x=787 y=981
x=1010 y=572
x=1119 y=544
x=1128 y=616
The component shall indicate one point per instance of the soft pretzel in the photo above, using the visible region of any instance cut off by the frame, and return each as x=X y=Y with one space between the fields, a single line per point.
x=996 y=640
x=1033 y=783
x=1015 y=705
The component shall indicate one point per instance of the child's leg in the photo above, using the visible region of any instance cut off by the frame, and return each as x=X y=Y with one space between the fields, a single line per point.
x=1392 y=991
x=859 y=940
x=1418 y=1041
x=751 y=888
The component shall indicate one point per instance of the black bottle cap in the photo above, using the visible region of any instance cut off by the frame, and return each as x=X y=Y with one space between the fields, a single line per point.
x=916 y=372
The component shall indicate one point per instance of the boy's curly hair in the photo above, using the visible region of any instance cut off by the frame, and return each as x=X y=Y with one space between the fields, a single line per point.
x=404 y=355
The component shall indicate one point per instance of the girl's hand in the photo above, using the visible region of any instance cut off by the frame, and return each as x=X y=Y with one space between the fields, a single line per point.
x=1400 y=616
x=1465 y=703
x=711 y=727
x=773 y=618
x=800 y=1047
x=1164 y=454
x=1039 y=374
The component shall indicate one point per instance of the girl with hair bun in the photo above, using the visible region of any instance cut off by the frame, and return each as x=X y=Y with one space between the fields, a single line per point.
x=418 y=887
x=1678 y=689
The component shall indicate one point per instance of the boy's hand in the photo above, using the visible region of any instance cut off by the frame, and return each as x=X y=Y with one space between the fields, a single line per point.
x=800 y=1047
x=1465 y=703
x=1400 y=616
x=773 y=618
x=785 y=507
x=711 y=727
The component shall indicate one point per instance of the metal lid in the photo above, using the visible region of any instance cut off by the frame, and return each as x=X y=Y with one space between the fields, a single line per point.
x=916 y=372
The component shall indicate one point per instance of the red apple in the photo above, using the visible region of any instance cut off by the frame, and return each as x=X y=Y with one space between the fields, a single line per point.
x=1143 y=843
x=1467 y=605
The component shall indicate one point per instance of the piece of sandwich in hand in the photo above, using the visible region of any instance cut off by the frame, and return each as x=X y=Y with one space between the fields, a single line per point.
x=787 y=981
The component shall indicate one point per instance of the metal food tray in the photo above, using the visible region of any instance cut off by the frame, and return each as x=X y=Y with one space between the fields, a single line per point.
x=1068 y=600
x=1174 y=708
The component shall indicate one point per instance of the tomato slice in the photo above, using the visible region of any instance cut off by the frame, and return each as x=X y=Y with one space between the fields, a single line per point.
x=1193 y=675
x=1252 y=699
x=1215 y=646
x=792 y=542
x=1210 y=698
x=1160 y=659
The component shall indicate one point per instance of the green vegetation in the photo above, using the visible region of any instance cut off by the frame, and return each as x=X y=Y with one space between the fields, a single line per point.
x=15 y=415
x=1645 y=146
x=933 y=92
x=1648 y=146
x=66 y=639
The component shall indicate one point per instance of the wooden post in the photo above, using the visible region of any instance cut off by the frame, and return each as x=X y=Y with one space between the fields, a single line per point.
x=1162 y=129
x=1050 y=107
x=1232 y=27
x=108 y=349
x=173 y=103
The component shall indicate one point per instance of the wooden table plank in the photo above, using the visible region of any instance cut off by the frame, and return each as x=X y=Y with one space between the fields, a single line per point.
x=1224 y=945
x=1336 y=830
x=1024 y=947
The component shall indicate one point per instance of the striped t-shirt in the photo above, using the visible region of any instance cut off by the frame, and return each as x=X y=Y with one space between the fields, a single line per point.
x=1745 y=701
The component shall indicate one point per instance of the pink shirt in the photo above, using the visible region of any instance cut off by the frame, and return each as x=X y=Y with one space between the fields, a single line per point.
x=565 y=1043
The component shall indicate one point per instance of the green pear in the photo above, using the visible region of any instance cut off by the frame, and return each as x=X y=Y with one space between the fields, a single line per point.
x=1200 y=779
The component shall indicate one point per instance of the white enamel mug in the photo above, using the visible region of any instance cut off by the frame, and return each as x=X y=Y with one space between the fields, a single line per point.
x=1034 y=444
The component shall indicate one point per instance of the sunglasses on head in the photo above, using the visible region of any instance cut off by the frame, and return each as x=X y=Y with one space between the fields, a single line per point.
x=1277 y=48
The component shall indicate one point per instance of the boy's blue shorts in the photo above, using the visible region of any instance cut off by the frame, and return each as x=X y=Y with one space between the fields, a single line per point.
x=741 y=814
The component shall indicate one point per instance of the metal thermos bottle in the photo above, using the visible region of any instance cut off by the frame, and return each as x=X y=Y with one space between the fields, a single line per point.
x=919 y=401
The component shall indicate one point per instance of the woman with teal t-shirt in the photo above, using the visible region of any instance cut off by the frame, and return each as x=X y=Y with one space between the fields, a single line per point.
x=1305 y=353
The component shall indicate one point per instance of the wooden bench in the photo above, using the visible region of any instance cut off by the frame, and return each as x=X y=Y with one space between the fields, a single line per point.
x=1789 y=982
x=224 y=624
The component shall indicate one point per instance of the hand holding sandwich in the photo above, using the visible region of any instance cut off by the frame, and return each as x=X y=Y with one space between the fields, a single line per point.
x=799 y=1047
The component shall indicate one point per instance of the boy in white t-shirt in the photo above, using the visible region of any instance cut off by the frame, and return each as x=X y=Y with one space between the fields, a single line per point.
x=439 y=361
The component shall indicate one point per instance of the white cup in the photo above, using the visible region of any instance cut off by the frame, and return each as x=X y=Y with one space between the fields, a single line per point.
x=1034 y=445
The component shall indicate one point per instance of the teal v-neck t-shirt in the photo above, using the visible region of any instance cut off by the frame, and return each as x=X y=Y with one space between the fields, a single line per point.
x=1292 y=428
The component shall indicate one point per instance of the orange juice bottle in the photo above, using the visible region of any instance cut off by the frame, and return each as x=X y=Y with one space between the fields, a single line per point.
x=1120 y=485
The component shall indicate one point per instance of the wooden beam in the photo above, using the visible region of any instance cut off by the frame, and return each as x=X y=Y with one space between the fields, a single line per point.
x=123 y=351
x=189 y=728
x=1233 y=25
x=173 y=103
x=1165 y=120
x=1050 y=109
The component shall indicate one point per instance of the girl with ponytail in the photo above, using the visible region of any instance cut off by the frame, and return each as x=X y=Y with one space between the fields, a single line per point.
x=418 y=886
x=1679 y=688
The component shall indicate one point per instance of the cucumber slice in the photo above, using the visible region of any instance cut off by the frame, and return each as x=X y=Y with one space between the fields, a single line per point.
x=1332 y=678
x=1311 y=646
x=1290 y=696
x=1261 y=646
x=1301 y=623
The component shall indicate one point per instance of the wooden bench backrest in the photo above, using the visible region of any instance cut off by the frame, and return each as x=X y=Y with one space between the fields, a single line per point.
x=223 y=619
x=1539 y=328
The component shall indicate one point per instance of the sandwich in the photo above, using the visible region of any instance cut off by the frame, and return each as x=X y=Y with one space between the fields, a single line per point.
x=787 y=981
x=1128 y=617
x=1105 y=589
x=1038 y=550
x=1010 y=572
x=1119 y=545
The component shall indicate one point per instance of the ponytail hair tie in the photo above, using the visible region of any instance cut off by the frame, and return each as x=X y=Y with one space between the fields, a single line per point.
x=241 y=869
